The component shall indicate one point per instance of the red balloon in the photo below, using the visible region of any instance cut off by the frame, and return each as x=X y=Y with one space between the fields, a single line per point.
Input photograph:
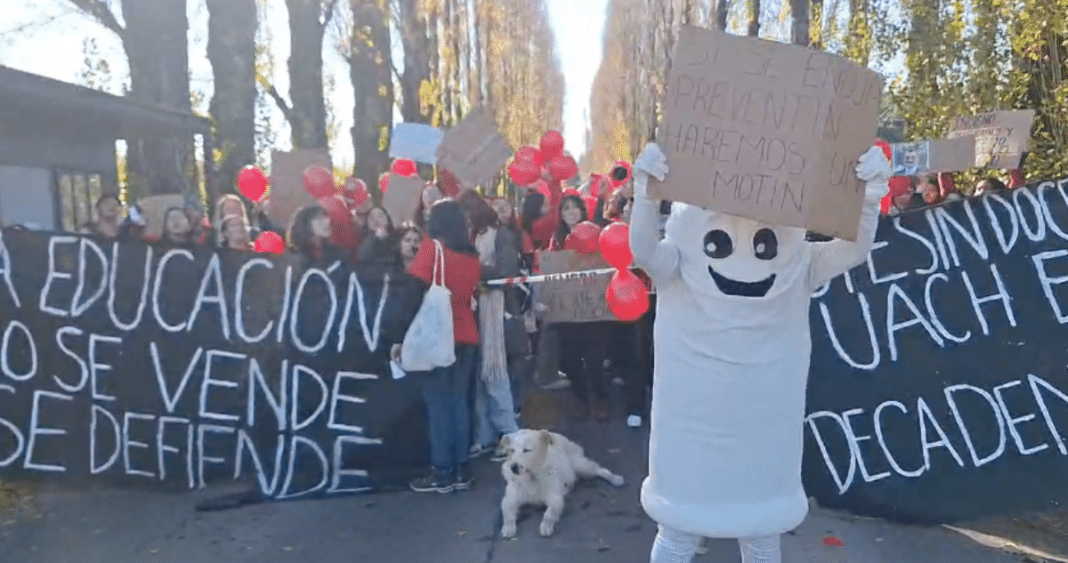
x=269 y=242
x=383 y=182
x=523 y=172
x=543 y=188
x=529 y=154
x=252 y=183
x=572 y=191
x=583 y=238
x=626 y=296
x=562 y=167
x=404 y=167
x=319 y=182
x=356 y=190
x=615 y=245
x=552 y=144
x=335 y=207
x=591 y=205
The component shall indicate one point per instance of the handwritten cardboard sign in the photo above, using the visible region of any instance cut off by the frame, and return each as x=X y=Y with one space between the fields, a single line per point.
x=416 y=141
x=1001 y=137
x=767 y=131
x=933 y=155
x=287 y=182
x=578 y=300
x=474 y=150
x=401 y=199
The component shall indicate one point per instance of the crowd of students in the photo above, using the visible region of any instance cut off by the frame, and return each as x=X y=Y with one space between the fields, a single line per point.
x=502 y=345
x=910 y=193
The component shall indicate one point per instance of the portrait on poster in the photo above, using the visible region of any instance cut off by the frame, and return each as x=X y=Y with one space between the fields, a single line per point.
x=911 y=159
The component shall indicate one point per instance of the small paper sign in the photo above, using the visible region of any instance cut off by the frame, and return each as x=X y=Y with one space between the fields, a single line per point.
x=578 y=300
x=767 y=131
x=416 y=141
x=474 y=150
x=933 y=155
x=401 y=199
x=287 y=182
x=1001 y=137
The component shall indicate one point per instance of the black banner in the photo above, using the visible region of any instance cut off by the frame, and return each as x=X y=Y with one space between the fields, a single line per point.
x=177 y=368
x=938 y=388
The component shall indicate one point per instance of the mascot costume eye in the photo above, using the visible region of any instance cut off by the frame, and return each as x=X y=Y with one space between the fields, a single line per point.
x=732 y=355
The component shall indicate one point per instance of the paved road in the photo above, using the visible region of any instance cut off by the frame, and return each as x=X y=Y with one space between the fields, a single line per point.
x=601 y=524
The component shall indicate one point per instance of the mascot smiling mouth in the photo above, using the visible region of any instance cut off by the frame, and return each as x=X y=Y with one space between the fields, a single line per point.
x=742 y=289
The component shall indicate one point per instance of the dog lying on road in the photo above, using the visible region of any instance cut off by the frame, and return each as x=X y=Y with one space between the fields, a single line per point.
x=540 y=468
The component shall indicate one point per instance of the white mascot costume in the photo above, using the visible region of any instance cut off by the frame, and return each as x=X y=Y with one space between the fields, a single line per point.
x=732 y=356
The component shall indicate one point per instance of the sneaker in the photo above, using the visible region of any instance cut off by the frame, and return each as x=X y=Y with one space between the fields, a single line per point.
x=478 y=451
x=562 y=382
x=462 y=479
x=634 y=421
x=433 y=483
x=619 y=382
x=498 y=457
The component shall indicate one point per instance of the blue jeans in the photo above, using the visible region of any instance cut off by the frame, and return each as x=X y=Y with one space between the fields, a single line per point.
x=445 y=391
x=494 y=410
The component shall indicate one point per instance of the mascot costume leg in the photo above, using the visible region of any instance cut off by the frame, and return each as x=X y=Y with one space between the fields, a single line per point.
x=732 y=351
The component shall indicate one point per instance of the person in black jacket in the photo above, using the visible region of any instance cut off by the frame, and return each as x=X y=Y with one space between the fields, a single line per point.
x=378 y=254
x=309 y=235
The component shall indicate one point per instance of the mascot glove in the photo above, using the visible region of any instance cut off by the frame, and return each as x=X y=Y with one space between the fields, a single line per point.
x=874 y=170
x=651 y=162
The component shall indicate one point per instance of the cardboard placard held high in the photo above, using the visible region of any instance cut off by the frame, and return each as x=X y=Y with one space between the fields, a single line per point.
x=767 y=131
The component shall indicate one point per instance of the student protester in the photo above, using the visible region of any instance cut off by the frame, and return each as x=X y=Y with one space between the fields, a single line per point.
x=989 y=185
x=516 y=322
x=109 y=223
x=498 y=253
x=446 y=390
x=176 y=228
x=410 y=239
x=309 y=236
x=235 y=233
x=583 y=346
x=228 y=205
x=378 y=254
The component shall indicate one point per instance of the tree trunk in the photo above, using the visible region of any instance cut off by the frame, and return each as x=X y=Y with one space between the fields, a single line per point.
x=754 y=18
x=723 y=10
x=815 y=10
x=307 y=112
x=371 y=73
x=232 y=52
x=475 y=75
x=799 y=31
x=413 y=34
x=156 y=47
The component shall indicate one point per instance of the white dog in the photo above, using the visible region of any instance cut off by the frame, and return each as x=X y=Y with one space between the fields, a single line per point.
x=540 y=469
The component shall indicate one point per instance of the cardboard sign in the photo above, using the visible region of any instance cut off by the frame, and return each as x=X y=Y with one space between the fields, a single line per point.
x=287 y=182
x=1001 y=137
x=401 y=199
x=933 y=155
x=153 y=209
x=416 y=141
x=578 y=300
x=474 y=150
x=767 y=131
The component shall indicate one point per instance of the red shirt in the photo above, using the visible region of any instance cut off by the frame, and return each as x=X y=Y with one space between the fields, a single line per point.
x=543 y=229
x=462 y=274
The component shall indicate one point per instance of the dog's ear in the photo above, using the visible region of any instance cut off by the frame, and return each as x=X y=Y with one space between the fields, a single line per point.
x=545 y=438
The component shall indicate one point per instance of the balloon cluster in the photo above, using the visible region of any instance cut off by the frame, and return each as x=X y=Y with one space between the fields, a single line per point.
x=626 y=295
x=530 y=163
x=252 y=183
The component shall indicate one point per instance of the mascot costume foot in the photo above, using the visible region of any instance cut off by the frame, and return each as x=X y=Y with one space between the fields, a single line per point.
x=732 y=351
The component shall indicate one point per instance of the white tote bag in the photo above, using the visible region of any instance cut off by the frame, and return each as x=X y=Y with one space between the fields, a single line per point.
x=429 y=344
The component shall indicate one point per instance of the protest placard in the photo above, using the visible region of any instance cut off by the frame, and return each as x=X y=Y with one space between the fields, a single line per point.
x=416 y=141
x=767 y=131
x=474 y=149
x=933 y=155
x=577 y=300
x=401 y=199
x=1001 y=137
x=287 y=182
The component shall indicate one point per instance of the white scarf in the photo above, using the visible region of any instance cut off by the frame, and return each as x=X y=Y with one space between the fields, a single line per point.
x=491 y=314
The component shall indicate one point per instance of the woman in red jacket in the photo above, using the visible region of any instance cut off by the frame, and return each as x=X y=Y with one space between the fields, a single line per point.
x=445 y=390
